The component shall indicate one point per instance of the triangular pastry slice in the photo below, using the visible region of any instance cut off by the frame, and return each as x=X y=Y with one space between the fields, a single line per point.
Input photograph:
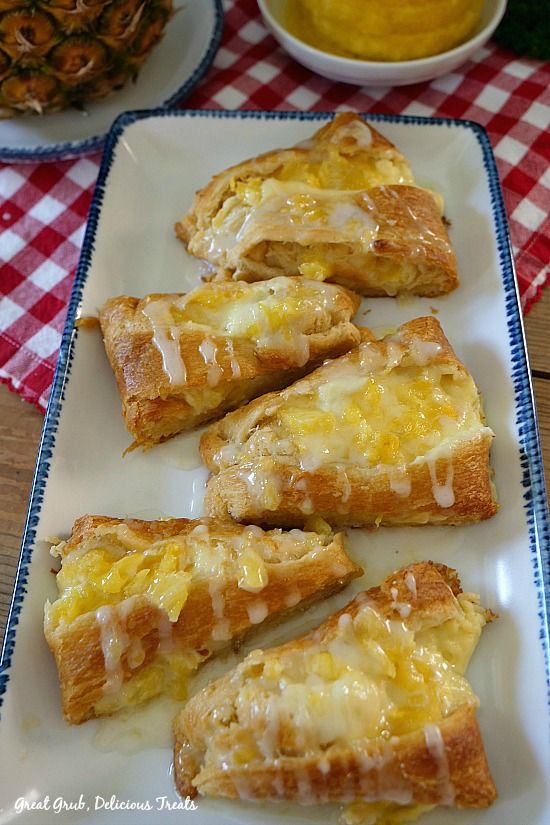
x=391 y=433
x=143 y=603
x=341 y=207
x=180 y=360
x=371 y=709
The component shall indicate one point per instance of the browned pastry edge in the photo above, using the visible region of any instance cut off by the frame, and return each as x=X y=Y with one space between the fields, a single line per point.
x=370 y=499
x=406 y=766
x=410 y=231
x=410 y=764
x=77 y=646
x=154 y=411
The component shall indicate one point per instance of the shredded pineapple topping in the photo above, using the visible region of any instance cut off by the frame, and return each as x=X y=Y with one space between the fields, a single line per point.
x=113 y=565
x=391 y=419
x=330 y=169
x=368 y=412
x=369 y=680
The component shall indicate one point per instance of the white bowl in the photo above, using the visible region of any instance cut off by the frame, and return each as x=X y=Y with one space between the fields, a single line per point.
x=374 y=72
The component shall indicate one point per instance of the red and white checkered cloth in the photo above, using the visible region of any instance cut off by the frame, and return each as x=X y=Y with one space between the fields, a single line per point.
x=43 y=207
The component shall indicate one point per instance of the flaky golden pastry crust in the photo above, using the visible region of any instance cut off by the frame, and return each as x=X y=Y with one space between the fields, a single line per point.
x=219 y=372
x=452 y=485
x=406 y=767
x=296 y=576
x=377 y=234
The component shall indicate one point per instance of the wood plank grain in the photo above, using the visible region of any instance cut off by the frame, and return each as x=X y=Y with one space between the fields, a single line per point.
x=537 y=332
x=20 y=428
x=542 y=401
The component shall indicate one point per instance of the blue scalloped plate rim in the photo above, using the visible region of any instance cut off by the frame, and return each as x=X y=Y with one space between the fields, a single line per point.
x=72 y=149
x=534 y=495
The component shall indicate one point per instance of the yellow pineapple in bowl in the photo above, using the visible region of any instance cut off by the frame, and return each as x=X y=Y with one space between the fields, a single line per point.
x=59 y=53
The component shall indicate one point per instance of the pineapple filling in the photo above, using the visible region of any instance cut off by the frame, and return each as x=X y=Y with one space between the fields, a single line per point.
x=255 y=311
x=163 y=572
x=115 y=565
x=374 y=679
x=274 y=315
x=388 y=419
x=265 y=209
x=329 y=169
x=112 y=565
x=369 y=418
x=167 y=673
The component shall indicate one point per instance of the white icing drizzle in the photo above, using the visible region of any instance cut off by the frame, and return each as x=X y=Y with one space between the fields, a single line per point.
x=166 y=339
x=269 y=741
x=293 y=597
x=201 y=530
x=243 y=786
x=235 y=366
x=306 y=506
x=279 y=787
x=114 y=643
x=135 y=651
x=306 y=793
x=221 y=630
x=209 y=351
x=436 y=748
x=257 y=611
x=166 y=635
x=323 y=765
x=422 y=352
x=358 y=130
x=344 y=483
x=410 y=581
x=403 y=608
x=298 y=206
x=400 y=481
x=442 y=493
x=345 y=621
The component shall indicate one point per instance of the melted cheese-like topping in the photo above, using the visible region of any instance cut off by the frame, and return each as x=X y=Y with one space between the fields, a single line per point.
x=113 y=566
x=108 y=568
x=369 y=681
x=261 y=208
x=275 y=315
x=377 y=412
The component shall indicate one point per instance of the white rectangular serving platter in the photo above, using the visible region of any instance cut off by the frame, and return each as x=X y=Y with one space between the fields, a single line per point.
x=153 y=163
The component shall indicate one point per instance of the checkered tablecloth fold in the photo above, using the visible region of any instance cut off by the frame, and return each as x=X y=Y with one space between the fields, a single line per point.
x=43 y=207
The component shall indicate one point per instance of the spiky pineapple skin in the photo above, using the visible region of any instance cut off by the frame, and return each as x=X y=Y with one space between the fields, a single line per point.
x=60 y=53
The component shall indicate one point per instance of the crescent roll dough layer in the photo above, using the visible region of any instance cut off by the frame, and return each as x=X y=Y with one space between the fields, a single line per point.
x=341 y=207
x=372 y=706
x=180 y=360
x=391 y=433
x=143 y=603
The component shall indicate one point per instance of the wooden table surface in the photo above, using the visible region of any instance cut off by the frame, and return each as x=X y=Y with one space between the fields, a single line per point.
x=21 y=424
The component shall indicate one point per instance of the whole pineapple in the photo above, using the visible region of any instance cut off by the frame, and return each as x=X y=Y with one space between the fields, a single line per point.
x=58 y=53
